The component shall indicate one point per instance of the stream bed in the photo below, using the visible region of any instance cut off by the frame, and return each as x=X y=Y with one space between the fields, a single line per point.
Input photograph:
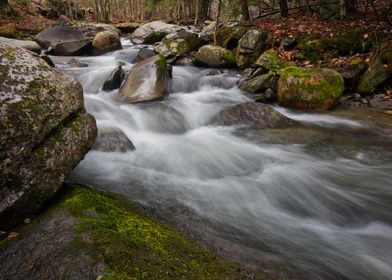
x=316 y=198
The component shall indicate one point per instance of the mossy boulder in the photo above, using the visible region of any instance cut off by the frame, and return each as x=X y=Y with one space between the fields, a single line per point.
x=95 y=235
x=215 y=56
x=260 y=83
x=106 y=41
x=378 y=72
x=229 y=34
x=349 y=43
x=146 y=81
x=251 y=45
x=270 y=61
x=170 y=48
x=309 y=88
x=44 y=132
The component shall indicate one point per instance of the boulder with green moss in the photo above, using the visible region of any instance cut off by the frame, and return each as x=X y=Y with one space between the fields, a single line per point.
x=379 y=71
x=229 y=34
x=44 y=132
x=146 y=81
x=92 y=235
x=270 y=61
x=309 y=88
x=251 y=45
x=214 y=56
x=171 y=48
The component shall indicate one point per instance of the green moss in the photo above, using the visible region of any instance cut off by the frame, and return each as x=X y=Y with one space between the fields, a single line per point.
x=135 y=246
x=229 y=57
x=10 y=54
x=270 y=60
x=312 y=87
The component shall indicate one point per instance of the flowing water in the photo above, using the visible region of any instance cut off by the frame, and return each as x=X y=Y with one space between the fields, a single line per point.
x=317 y=198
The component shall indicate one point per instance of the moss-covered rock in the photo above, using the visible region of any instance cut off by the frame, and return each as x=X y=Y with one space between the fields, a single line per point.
x=378 y=72
x=251 y=45
x=270 y=61
x=44 y=132
x=146 y=81
x=214 y=56
x=309 y=88
x=170 y=48
x=229 y=34
x=349 y=43
x=89 y=234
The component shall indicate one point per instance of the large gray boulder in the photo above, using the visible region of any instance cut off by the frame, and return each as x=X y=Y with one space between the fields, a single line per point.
x=28 y=45
x=251 y=45
x=253 y=115
x=153 y=32
x=214 y=56
x=44 y=132
x=146 y=81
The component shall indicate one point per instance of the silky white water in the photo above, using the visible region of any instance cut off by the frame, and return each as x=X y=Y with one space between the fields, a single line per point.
x=317 y=198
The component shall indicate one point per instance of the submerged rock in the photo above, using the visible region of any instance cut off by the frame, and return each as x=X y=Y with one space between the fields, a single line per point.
x=28 y=45
x=309 y=88
x=253 y=115
x=114 y=80
x=146 y=81
x=45 y=132
x=111 y=139
x=77 y=63
x=214 y=56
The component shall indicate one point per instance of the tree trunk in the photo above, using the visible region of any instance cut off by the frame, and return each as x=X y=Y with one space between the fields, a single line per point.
x=284 y=12
x=217 y=21
x=342 y=9
x=245 y=10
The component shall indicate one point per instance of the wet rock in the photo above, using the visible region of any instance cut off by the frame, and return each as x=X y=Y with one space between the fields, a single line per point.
x=378 y=72
x=251 y=45
x=309 y=88
x=143 y=54
x=192 y=38
x=381 y=101
x=45 y=132
x=214 y=56
x=128 y=27
x=146 y=81
x=112 y=139
x=253 y=115
x=114 y=80
x=71 y=47
x=48 y=60
x=106 y=41
x=73 y=62
x=261 y=83
x=153 y=32
x=270 y=61
x=28 y=45
x=185 y=61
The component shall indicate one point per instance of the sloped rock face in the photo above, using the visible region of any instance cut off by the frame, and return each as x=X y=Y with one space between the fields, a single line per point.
x=44 y=132
x=306 y=88
x=146 y=81
x=253 y=115
x=377 y=73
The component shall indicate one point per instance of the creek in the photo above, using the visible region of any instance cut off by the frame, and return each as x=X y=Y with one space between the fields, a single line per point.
x=316 y=198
